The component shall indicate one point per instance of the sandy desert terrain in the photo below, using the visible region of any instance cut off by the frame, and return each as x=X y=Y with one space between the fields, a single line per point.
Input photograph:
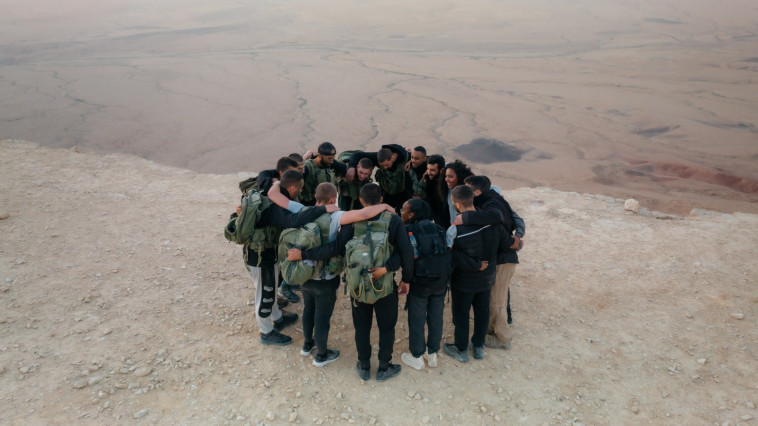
x=123 y=304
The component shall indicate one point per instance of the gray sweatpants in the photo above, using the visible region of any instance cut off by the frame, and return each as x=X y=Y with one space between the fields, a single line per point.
x=266 y=325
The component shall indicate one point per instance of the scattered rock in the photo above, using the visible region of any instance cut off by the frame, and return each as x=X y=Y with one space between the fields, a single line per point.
x=701 y=361
x=747 y=417
x=632 y=205
x=339 y=395
x=4 y=216
x=94 y=380
x=141 y=413
x=270 y=415
x=24 y=369
x=143 y=371
x=738 y=315
x=79 y=384
x=749 y=404
x=20 y=261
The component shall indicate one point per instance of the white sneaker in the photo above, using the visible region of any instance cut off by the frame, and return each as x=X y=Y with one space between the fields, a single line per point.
x=431 y=359
x=412 y=361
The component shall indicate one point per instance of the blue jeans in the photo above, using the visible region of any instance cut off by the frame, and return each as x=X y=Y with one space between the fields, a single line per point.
x=425 y=311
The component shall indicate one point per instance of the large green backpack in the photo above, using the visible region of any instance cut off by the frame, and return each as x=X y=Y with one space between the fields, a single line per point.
x=369 y=248
x=241 y=228
x=310 y=235
x=316 y=175
x=392 y=181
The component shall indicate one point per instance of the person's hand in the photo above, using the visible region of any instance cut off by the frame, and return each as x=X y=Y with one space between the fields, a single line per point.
x=331 y=208
x=350 y=175
x=239 y=210
x=377 y=272
x=484 y=265
x=308 y=154
x=458 y=220
x=275 y=181
x=407 y=148
x=389 y=208
x=294 y=254
x=403 y=288
x=516 y=243
x=408 y=166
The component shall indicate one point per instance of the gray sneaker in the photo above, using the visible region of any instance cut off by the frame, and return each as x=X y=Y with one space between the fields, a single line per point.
x=287 y=293
x=478 y=352
x=453 y=352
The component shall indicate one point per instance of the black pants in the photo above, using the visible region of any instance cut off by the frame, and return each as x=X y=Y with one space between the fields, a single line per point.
x=319 y=297
x=386 y=319
x=425 y=311
x=462 y=304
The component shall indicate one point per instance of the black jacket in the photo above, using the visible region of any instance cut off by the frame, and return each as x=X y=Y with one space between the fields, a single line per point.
x=421 y=286
x=487 y=203
x=282 y=218
x=402 y=255
x=439 y=209
x=474 y=244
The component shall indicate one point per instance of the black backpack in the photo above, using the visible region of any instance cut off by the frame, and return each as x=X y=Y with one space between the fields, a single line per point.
x=432 y=258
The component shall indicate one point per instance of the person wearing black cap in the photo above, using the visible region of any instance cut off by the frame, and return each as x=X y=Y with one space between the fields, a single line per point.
x=322 y=168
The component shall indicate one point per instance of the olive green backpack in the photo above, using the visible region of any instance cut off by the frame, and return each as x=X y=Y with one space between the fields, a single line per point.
x=310 y=235
x=369 y=248
x=241 y=228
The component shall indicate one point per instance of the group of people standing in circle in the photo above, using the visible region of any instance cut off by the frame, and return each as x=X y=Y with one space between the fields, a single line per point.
x=446 y=229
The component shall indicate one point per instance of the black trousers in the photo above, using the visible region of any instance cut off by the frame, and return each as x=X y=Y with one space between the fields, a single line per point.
x=319 y=297
x=425 y=311
x=386 y=319
x=462 y=304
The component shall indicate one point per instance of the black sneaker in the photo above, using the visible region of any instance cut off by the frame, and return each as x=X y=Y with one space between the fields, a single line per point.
x=330 y=356
x=284 y=291
x=388 y=373
x=287 y=319
x=363 y=373
x=478 y=352
x=308 y=348
x=275 y=338
x=452 y=351
x=282 y=302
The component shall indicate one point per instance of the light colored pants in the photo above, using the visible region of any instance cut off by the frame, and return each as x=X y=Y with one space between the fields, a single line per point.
x=499 y=302
x=266 y=325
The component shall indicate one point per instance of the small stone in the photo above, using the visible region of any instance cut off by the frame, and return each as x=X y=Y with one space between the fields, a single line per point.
x=426 y=419
x=24 y=369
x=747 y=417
x=497 y=418
x=4 y=216
x=293 y=417
x=410 y=394
x=20 y=261
x=632 y=205
x=750 y=404
x=298 y=395
x=143 y=371
x=8 y=280
x=339 y=395
x=738 y=315
x=141 y=413
x=345 y=416
x=107 y=332
x=701 y=361
x=270 y=415
x=94 y=380
x=417 y=396
x=79 y=384
x=123 y=370
x=372 y=421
